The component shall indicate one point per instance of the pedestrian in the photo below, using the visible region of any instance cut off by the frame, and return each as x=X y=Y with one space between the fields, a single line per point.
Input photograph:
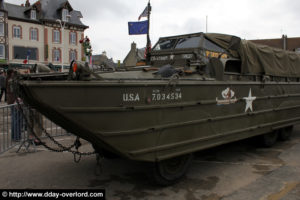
x=36 y=125
x=35 y=118
x=16 y=115
x=2 y=85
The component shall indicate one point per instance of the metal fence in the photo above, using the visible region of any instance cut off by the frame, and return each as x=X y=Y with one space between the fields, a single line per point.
x=14 y=130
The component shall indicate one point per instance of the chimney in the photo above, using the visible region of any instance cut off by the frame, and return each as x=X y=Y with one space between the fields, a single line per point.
x=27 y=4
x=284 y=42
x=133 y=46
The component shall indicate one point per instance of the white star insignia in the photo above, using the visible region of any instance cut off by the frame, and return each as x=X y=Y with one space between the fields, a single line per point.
x=249 y=100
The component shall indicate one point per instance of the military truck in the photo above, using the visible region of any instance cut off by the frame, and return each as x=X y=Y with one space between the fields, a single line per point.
x=197 y=91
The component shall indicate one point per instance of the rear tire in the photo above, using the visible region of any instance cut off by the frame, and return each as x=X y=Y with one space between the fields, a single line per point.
x=285 y=133
x=269 y=139
x=168 y=172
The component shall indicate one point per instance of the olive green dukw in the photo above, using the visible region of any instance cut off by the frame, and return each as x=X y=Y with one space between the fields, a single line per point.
x=197 y=91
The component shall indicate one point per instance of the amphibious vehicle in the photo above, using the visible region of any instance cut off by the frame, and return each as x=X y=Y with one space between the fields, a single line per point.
x=197 y=91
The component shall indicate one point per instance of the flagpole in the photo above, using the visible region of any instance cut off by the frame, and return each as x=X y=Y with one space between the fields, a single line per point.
x=148 y=36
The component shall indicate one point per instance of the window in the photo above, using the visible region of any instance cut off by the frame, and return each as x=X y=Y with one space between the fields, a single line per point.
x=208 y=45
x=73 y=38
x=65 y=14
x=190 y=42
x=1 y=14
x=34 y=34
x=56 y=36
x=24 y=52
x=33 y=14
x=1 y=29
x=2 y=51
x=17 y=32
x=56 y=55
x=73 y=55
x=165 y=44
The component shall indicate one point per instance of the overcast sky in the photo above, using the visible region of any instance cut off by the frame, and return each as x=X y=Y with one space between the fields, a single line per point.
x=248 y=19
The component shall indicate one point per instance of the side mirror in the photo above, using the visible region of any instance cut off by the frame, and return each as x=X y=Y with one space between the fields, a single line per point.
x=234 y=43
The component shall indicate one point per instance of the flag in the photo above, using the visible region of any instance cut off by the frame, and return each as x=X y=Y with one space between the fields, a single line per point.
x=144 y=13
x=138 y=28
x=147 y=49
x=27 y=57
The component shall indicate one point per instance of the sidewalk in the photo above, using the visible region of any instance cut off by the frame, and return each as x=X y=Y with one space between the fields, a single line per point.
x=253 y=173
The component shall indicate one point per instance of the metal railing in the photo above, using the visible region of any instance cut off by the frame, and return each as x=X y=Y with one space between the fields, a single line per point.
x=14 y=130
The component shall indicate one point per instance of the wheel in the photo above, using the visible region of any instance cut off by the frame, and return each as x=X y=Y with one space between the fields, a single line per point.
x=168 y=172
x=285 y=133
x=269 y=139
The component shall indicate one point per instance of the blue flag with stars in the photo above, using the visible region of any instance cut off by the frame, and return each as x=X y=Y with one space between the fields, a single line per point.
x=138 y=28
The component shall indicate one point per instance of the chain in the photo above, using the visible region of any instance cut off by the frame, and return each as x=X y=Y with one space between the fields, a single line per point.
x=76 y=144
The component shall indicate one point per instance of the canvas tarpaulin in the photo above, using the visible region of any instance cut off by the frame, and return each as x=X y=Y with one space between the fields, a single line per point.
x=261 y=59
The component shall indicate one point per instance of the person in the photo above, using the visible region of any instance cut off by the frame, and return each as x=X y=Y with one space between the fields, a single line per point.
x=2 y=85
x=35 y=119
x=36 y=124
x=16 y=115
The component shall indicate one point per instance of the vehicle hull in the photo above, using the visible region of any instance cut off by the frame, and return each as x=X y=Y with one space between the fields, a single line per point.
x=154 y=120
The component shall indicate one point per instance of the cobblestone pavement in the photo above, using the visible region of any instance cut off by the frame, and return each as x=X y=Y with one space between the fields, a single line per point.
x=236 y=171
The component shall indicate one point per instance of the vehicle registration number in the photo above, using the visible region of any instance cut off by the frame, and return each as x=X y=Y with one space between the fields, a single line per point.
x=157 y=95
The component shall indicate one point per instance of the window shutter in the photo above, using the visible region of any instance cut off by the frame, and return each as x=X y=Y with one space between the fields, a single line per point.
x=21 y=32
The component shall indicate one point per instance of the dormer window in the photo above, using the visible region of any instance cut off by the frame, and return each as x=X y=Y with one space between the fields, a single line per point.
x=33 y=14
x=65 y=14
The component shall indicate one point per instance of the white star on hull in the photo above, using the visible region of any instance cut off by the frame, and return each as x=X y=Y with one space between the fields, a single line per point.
x=249 y=100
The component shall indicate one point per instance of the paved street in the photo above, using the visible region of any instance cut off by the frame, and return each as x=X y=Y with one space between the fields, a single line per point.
x=235 y=171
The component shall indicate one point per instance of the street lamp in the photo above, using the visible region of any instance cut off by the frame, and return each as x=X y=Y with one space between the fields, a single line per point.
x=62 y=26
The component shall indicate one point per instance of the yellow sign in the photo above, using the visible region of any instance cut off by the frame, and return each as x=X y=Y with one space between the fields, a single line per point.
x=215 y=54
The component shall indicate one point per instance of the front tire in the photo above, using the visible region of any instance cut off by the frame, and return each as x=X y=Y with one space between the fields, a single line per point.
x=170 y=171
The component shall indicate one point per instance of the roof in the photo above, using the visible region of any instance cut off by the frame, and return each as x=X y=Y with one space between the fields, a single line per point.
x=141 y=54
x=291 y=43
x=15 y=11
x=50 y=10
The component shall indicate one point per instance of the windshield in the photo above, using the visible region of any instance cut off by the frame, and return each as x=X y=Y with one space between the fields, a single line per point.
x=191 y=42
x=208 y=45
x=165 y=44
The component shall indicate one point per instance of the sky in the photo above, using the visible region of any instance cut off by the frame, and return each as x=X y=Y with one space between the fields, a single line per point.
x=248 y=19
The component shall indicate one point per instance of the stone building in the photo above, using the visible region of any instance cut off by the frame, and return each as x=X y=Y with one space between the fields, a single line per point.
x=103 y=61
x=135 y=57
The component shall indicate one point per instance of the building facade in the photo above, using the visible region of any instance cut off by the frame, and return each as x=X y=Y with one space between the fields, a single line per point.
x=46 y=32
x=290 y=44
x=3 y=35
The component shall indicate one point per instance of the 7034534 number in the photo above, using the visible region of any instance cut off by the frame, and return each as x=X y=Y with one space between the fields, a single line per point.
x=166 y=96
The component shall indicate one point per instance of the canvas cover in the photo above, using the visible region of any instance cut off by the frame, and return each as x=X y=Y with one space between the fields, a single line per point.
x=261 y=59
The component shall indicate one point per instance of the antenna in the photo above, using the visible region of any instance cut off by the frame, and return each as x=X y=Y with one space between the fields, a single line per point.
x=206 y=23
